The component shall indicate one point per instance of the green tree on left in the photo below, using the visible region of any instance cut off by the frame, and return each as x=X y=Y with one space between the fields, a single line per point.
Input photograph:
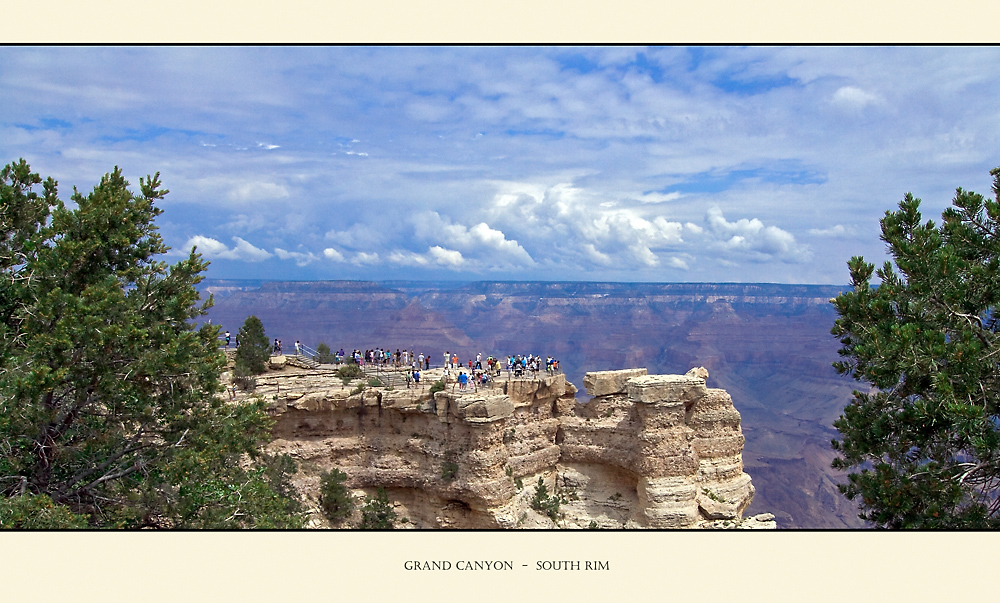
x=109 y=407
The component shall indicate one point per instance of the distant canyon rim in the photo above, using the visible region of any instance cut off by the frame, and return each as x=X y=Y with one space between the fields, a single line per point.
x=767 y=345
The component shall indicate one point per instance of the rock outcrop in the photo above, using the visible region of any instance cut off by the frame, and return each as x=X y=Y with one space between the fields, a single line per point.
x=648 y=451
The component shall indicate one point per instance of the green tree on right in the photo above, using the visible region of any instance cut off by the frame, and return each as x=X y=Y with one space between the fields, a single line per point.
x=922 y=444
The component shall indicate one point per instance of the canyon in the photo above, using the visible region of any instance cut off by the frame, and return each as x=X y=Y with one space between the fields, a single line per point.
x=767 y=345
x=646 y=451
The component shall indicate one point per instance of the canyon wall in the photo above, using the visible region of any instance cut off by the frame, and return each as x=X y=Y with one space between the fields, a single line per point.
x=648 y=451
x=768 y=345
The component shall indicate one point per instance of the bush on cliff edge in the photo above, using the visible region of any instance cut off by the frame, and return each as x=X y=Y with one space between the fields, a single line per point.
x=334 y=497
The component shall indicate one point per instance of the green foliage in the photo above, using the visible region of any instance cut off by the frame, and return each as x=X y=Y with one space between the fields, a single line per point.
x=109 y=394
x=374 y=382
x=519 y=483
x=437 y=386
x=323 y=354
x=449 y=470
x=546 y=504
x=349 y=372
x=377 y=513
x=334 y=497
x=37 y=512
x=254 y=350
x=357 y=390
x=593 y=525
x=712 y=495
x=924 y=442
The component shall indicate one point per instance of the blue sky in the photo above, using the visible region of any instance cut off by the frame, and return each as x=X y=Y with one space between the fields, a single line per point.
x=759 y=164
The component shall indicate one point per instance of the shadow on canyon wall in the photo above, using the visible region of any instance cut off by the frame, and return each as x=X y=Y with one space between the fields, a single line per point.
x=768 y=345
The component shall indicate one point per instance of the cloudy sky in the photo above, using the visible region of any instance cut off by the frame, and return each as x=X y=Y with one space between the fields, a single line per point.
x=760 y=164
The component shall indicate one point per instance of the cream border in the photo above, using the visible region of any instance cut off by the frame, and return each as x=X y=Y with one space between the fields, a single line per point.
x=336 y=566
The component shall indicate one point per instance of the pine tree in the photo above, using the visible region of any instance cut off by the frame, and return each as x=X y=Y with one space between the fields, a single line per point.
x=377 y=513
x=925 y=440
x=335 y=498
x=254 y=350
x=323 y=354
x=109 y=405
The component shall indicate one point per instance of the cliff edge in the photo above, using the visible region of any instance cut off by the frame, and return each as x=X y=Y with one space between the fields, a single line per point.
x=647 y=451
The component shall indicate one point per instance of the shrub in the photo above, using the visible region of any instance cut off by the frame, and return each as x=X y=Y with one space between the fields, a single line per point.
x=545 y=503
x=334 y=497
x=349 y=372
x=377 y=513
x=245 y=383
x=37 y=512
x=374 y=382
x=449 y=469
x=437 y=386
x=323 y=354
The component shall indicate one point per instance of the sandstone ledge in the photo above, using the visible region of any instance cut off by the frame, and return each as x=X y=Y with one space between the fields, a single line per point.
x=648 y=451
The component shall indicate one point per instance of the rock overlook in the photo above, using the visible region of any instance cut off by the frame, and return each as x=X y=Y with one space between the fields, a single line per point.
x=647 y=451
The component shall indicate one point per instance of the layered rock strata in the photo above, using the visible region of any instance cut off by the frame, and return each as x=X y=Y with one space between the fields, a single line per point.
x=656 y=451
x=680 y=441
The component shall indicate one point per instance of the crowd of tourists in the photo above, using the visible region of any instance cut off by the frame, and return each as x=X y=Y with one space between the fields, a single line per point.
x=473 y=373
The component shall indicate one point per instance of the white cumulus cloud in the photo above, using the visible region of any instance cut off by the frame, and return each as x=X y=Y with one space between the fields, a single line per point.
x=407 y=258
x=855 y=98
x=214 y=249
x=446 y=257
x=751 y=237
x=301 y=259
x=333 y=254
x=480 y=240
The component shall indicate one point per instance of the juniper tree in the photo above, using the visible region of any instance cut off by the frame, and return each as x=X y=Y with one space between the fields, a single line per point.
x=923 y=443
x=377 y=512
x=254 y=350
x=109 y=413
x=323 y=354
x=334 y=497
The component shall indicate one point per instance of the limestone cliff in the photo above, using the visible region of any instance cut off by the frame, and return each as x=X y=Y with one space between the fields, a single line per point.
x=648 y=451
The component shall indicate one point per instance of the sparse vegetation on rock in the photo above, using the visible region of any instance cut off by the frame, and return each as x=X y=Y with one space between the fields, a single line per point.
x=349 y=372
x=377 y=512
x=335 y=499
x=545 y=503
x=323 y=354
